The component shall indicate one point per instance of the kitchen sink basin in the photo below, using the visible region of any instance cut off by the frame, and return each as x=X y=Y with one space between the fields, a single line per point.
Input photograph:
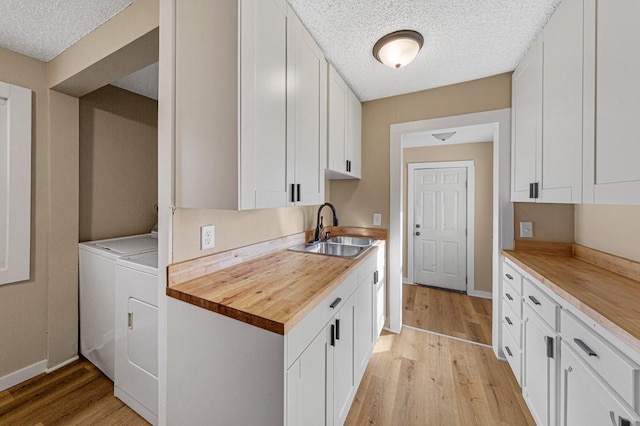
x=352 y=241
x=331 y=249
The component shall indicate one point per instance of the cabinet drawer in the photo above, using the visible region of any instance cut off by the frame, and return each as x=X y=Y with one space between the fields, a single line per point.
x=512 y=298
x=546 y=307
x=513 y=355
x=512 y=276
x=615 y=368
x=302 y=334
x=513 y=324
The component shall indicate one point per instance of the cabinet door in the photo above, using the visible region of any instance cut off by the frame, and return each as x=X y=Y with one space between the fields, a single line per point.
x=306 y=384
x=307 y=114
x=585 y=400
x=263 y=104
x=559 y=169
x=337 y=116
x=611 y=149
x=354 y=135
x=539 y=368
x=364 y=325
x=526 y=119
x=344 y=375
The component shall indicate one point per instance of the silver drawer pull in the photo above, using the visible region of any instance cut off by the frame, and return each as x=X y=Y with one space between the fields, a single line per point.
x=508 y=276
x=335 y=303
x=506 y=348
x=130 y=320
x=508 y=296
x=508 y=320
x=585 y=348
x=535 y=301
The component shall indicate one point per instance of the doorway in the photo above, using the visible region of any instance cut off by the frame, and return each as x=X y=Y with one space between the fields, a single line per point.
x=440 y=224
x=407 y=135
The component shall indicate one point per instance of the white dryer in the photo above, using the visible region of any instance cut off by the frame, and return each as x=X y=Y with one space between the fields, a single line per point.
x=97 y=278
x=136 y=345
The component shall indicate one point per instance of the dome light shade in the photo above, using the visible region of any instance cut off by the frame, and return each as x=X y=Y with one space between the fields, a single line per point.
x=399 y=48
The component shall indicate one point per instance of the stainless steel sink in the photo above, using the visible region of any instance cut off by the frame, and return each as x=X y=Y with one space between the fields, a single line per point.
x=352 y=241
x=331 y=249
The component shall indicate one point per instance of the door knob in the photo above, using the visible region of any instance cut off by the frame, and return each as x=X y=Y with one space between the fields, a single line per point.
x=418 y=226
x=417 y=233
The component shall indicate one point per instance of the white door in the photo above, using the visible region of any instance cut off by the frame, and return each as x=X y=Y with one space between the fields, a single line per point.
x=440 y=228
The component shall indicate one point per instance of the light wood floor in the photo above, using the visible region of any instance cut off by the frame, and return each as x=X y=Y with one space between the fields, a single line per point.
x=417 y=378
x=414 y=378
x=78 y=394
x=446 y=312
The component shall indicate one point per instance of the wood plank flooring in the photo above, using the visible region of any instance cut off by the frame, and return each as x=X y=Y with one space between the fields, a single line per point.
x=414 y=378
x=446 y=312
x=77 y=394
x=417 y=378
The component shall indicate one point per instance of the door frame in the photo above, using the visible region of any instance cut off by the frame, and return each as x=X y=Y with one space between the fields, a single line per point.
x=471 y=199
x=400 y=137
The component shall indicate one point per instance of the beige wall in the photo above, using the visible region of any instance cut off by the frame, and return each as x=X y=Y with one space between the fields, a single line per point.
x=357 y=200
x=551 y=222
x=482 y=155
x=23 y=306
x=235 y=229
x=612 y=229
x=118 y=163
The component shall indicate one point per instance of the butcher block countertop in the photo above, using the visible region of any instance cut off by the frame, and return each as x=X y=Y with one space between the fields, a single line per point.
x=608 y=298
x=273 y=291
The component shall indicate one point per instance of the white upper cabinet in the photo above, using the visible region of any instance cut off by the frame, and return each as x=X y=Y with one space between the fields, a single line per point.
x=250 y=107
x=306 y=115
x=345 y=130
x=612 y=102
x=559 y=170
x=547 y=112
x=526 y=110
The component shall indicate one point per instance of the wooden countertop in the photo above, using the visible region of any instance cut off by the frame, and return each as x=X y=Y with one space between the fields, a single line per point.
x=609 y=299
x=273 y=292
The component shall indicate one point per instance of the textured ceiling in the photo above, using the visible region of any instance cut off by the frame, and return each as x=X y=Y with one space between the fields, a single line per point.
x=463 y=39
x=43 y=29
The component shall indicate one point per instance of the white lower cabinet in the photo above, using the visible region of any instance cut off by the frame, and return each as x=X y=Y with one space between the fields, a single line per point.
x=231 y=372
x=539 y=367
x=571 y=374
x=306 y=386
x=586 y=400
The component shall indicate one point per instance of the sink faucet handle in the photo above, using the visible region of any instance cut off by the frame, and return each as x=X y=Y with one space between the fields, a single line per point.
x=327 y=235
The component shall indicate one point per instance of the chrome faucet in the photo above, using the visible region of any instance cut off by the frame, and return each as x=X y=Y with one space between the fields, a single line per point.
x=320 y=226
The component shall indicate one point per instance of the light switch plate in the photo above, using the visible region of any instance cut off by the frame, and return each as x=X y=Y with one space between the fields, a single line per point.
x=526 y=229
x=377 y=219
x=207 y=237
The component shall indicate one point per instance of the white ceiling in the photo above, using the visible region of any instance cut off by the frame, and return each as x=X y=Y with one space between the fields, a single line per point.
x=464 y=39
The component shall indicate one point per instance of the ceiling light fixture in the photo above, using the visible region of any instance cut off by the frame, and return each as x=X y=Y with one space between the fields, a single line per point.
x=443 y=136
x=399 y=48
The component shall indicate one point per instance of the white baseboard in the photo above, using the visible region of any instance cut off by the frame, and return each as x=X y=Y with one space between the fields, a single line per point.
x=62 y=364
x=22 y=375
x=483 y=294
x=405 y=280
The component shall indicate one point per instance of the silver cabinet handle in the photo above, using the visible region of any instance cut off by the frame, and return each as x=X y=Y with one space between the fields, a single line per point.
x=130 y=320
x=508 y=276
x=582 y=345
x=535 y=301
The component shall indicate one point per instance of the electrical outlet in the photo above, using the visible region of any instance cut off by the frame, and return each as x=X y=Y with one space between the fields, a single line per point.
x=526 y=229
x=207 y=237
x=377 y=219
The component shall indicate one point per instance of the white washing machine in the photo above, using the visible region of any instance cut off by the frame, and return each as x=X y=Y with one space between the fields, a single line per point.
x=97 y=279
x=136 y=345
